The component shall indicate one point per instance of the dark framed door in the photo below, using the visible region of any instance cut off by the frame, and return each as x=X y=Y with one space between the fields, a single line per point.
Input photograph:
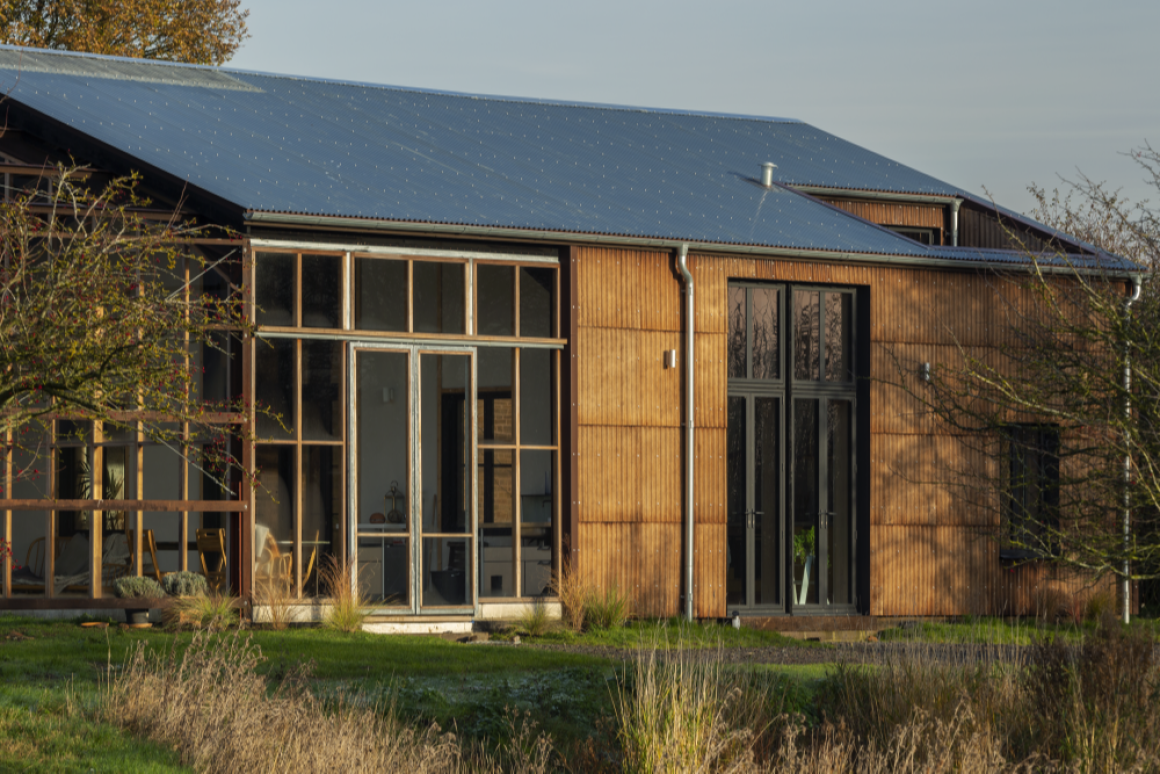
x=791 y=539
x=754 y=526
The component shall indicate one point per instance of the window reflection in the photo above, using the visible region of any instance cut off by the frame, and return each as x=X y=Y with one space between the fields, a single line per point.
x=807 y=344
x=838 y=323
x=765 y=333
x=737 y=344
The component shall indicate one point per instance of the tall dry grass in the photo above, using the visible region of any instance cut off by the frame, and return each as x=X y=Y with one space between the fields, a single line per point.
x=210 y=704
x=347 y=599
x=273 y=603
x=1054 y=706
x=584 y=606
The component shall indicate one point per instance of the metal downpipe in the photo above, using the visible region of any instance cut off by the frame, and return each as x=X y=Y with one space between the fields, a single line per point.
x=1127 y=584
x=683 y=265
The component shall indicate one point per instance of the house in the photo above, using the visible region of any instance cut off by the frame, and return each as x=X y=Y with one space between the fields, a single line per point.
x=507 y=334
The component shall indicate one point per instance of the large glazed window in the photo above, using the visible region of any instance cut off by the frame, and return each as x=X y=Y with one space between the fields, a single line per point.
x=494 y=532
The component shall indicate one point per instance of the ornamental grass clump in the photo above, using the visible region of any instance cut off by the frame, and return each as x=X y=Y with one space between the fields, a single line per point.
x=216 y=610
x=345 y=612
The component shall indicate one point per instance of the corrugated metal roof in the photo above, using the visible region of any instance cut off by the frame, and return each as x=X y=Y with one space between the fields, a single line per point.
x=295 y=145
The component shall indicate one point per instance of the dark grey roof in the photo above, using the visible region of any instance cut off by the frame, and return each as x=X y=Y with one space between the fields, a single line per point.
x=270 y=143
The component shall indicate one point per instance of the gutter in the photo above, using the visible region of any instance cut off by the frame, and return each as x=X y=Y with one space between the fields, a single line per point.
x=542 y=235
x=683 y=265
x=1127 y=515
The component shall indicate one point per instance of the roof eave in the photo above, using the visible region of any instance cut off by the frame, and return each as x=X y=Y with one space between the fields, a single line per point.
x=541 y=235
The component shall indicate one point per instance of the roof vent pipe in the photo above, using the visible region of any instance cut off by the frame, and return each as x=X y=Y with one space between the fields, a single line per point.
x=955 y=204
x=767 y=174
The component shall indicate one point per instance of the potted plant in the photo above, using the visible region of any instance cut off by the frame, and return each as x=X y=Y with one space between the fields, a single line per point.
x=137 y=588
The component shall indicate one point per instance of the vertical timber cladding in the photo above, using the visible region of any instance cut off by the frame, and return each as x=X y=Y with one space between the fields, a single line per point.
x=931 y=553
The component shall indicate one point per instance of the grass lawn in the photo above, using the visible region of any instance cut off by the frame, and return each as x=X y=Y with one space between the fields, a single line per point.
x=1001 y=631
x=50 y=674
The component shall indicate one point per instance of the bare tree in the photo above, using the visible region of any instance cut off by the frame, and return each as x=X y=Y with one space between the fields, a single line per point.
x=1067 y=445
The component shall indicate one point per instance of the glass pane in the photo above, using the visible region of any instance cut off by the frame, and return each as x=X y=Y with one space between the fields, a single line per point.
x=321 y=390
x=766 y=502
x=322 y=489
x=497 y=503
x=494 y=404
x=274 y=387
x=274 y=511
x=806 y=347
x=29 y=528
x=766 y=361
x=736 y=576
x=118 y=482
x=838 y=322
x=737 y=333
x=805 y=502
x=496 y=563
x=496 y=298
x=161 y=480
x=537 y=301
x=446 y=572
x=274 y=287
x=838 y=564
x=536 y=397
x=384 y=570
x=380 y=291
x=537 y=506
x=321 y=291
x=445 y=422
x=216 y=367
x=438 y=297
x=383 y=444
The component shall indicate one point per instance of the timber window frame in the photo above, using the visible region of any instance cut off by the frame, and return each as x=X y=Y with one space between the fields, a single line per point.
x=533 y=300
x=70 y=444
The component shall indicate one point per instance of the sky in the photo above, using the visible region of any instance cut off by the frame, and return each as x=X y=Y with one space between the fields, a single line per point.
x=989 y=96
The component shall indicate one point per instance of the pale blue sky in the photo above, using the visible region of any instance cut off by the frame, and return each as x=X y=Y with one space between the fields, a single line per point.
x=985 y=93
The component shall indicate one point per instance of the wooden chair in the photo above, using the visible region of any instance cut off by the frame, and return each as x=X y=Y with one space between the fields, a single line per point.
x=277 y=568
x=149 y=551
x=211 y=550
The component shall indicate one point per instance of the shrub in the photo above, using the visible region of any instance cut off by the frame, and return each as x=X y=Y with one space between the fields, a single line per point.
x=137 y=587
x=606 y=610
x=345 y=613
x=184 y=584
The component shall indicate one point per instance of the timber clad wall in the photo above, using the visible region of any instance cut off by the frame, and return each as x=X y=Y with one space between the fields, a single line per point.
x=931 y=553
x=895 y=214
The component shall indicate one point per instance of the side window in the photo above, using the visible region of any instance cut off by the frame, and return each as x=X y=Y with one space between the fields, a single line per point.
x=1030 y=495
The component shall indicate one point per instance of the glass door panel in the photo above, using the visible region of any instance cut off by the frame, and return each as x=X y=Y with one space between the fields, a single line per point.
x=838 y=490
x=764 y=521
x=382 y=461
x=806 y=501
x=446 y=449
x=737 y=515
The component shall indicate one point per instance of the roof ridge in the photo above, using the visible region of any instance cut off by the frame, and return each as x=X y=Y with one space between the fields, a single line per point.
x=406 y=89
